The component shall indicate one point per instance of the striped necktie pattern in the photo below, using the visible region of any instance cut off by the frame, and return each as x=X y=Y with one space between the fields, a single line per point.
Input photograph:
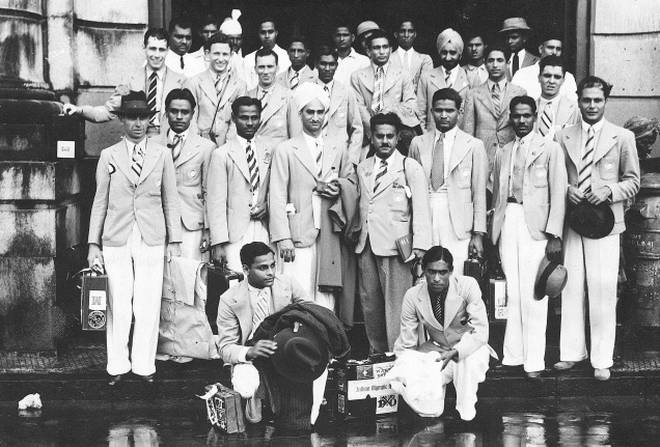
x=447 y=76
x=319 y=158
x=584 y=177
x=252 y=166
x=439 y=310
x=382 y=170
x=137 y=161
x=295 y=80
x=377 y=100
x=152 y=92
x=176 y=146
x=497 y=98
x=260 y=311
x=545 y=124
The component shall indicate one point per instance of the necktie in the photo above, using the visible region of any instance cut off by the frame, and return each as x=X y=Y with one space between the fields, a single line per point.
x=439 y=310
x=438 y=166
x=218 y=84
x=546 y=119
x=518 y=167
x=253 y=167
x=319 y=158
x=497 y=98
x=151 y=95
x=447 y=76
x=182 y=64
x=176 y=146
x=295 y=80
x=382 y=170
x=515 y=64
x=377 y=101
x=584 y=177
x=262 y=98
x=260 y=311
x=137 y=161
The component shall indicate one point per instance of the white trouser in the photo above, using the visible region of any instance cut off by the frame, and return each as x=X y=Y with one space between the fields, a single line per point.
x=190 y=243
x=256 y=231
x=594 y=263
x=135 y=279
x=524 y=337
x=467 y=374
x=304 y=270
x=443 y=231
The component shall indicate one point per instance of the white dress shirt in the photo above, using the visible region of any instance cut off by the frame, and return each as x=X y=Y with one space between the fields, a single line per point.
x=243 y=142
x=377 y=160
x=251 y=78
x=347 y=65
x=528 y=78
x=476 y=75
x=405 y=53
x=449 y=138
x=192 y=65
x=453 y=73
x=521 y=57
x=585 y=131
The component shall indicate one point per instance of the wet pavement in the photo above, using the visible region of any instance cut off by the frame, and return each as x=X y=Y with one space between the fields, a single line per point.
x=508 y=422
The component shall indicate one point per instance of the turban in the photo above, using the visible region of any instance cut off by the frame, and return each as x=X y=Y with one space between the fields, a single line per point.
x=449 y=37
x=308 y=92
x=231 y=24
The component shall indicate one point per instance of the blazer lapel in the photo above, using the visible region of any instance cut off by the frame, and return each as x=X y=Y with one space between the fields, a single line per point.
x=394 y=73
x=459 y=150
x=188 y=151
x=237 y=154
x=505 y=104
x=426 y=151
x=304 y=155
x=242 y=307
x=208 y=87
x=120 y=157
x=452 y=302
x=151 y=156
x=437 y=78
x=281 y=297
x=329 y=156
x=606 y=140
x=484 y=96
x=537 y=148
x=426 y=311
x=572 y=138
x=336 y=96
x=276 y=101
x=367 y=76
x=392 y=174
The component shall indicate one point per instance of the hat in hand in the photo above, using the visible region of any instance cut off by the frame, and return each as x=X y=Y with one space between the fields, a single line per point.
x=301 y=355
x=592 y=221
x=135 y=104
x=550 y=279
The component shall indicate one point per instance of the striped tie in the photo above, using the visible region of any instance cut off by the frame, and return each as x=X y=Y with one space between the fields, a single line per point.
x=254 y=168
x=319 y=158
x=176 y=146
x=382 y=170
x=546 y=119
x=377 y=101
x=218 y=84
x=260 y=311
x=439 y=310
x=137 y=161
x=584 y=177
x=447 y=76
x=295 y=80
x=151 y=96
x=497 y=99
x=262 y=98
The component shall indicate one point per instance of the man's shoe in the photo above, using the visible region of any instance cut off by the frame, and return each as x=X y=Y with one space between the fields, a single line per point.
x=563 y=366
x=534 y=374
x=602 y=374
x=147 y=379
x=115 y=380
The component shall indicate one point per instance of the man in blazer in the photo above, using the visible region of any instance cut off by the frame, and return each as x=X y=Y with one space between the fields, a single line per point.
x=383 y=87
x=135 y=214
x=555 y=111
x=191 y=155
x=154 y=79
x=456 y=168
x=268 y=37
x=475 y=68
x=516 y=32
x=529 y=203
x=603 y=167
x=299 y=71
x=239 y=175
x=449 y=309
x=215 y=90
x=448 y=75
x=486 y=107
x=393 y=204
x=305 y=171
x=414 y=63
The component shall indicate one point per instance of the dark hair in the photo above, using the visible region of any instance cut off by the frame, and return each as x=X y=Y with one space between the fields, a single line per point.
x=406 y=19
x=448 y=93
x=250 y=251
x=504 y=50
x=156 y=33
x=245 y=101
x=263 y=52
x=181 y=22
x=385 y=118
x=342 y=24
x=216 y=38
x=326 y=50
x=551 y=61
x=300 y=38
x=209 y=19
x=268 y=19
x=377 y=34
x=551 y=35
x=438 y=253
x=523 y=99
x=180 y=93
x=594 y=81
x=472 y=34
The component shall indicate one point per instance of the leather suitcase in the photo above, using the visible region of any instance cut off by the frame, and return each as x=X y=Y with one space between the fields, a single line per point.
x=220 y=278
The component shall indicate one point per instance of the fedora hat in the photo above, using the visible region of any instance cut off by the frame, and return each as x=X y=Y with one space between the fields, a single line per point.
x=550 y=279
x=514 y=23
x=367 y=25
x=301 y=355
x=592 y=221
x=134 y=103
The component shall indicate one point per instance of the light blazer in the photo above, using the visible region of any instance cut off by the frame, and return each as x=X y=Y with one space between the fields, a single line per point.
x=529 y=59
x=431 y=82
x=153 y=203
x=466 y=180
x=480 y=119
x=202 y=87
x=306 y=74
x=276 y=118
x=192 y=170
x=568 y=114
x=466 y=324
x=615 y=165
x=229 y=196
x=293 y=179
x=386 y=214
x=544 y=188
x=398 y=94
x=419 y=64
x=138 y=82
x=235 y=314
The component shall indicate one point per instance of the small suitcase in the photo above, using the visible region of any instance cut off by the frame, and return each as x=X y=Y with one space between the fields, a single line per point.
x=94 y=303
x=220 y=278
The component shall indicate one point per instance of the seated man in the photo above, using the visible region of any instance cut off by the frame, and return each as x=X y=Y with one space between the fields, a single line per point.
x=450 y=309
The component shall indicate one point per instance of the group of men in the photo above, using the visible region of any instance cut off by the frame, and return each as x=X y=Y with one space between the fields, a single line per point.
x=345 y=173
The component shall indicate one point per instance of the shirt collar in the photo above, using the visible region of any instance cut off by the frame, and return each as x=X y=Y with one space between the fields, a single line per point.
x=243 y=142
x=388 y=160
x=329 y=85
x=142 y=144
x=159 y=73
x=521 y=56
x=183 y=134
x=525 y=140
x=254 y=291
x=449 y=135
x=501 y=83
x=597 y=127
x=311 y=141
x=385 y=67
x=471 y=67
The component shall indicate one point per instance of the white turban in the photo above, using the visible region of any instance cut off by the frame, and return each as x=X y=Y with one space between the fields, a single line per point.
x=308 y=92
x=231 y=24
x=449 y=37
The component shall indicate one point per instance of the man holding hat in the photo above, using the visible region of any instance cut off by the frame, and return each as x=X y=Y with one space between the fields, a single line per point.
x=134 y=217
x=448 y=75
x=529 y=202
x=603 y=171
x=516 y=32
x=307 y=171
x=349 y=60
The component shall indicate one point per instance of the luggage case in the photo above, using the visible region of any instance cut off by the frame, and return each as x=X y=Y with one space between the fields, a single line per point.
x=220 y=278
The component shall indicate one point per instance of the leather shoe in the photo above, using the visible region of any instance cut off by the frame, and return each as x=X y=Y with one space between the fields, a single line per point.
x=533 y=374
x=602 y=374
x=563 y=366
x=115 y=380
x=147 y=379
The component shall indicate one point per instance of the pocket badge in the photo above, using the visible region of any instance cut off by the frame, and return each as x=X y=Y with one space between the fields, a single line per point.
x=192 y=173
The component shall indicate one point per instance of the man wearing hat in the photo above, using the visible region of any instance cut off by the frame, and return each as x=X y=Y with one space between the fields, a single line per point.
x=364 y=31
x=349 y=60
x=415 y=64
x=134 y=217
x=529 y=202
x=153 y=78
x=306 y=171
x=232 y=28
x=516 y=32
x=299 y=72
x=268 y=37
x=603 y=171
x=448 y=75
x=214 y=90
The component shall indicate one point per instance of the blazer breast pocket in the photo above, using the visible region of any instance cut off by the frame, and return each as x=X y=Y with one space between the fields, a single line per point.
x=540 y=176
x=464 y=175
x=191 y=176
x=399 y=204
x=608 y=168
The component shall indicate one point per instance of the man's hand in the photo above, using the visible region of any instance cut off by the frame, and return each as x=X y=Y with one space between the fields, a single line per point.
x=598 y=195
x=419 y=253
x=258 y=211
x=287 y=250
x=173 y=250
x=262 y=348
x=71 y=109
x=218 y=254
x=328 y=189
x=575 y=196
x=553 y=249
x=94 y=255
x=476 y=246
x=448 y=356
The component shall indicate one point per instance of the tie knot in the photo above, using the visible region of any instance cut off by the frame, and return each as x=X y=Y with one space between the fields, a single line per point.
x=152 y=76
x=137 y=150
x=591 y=130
